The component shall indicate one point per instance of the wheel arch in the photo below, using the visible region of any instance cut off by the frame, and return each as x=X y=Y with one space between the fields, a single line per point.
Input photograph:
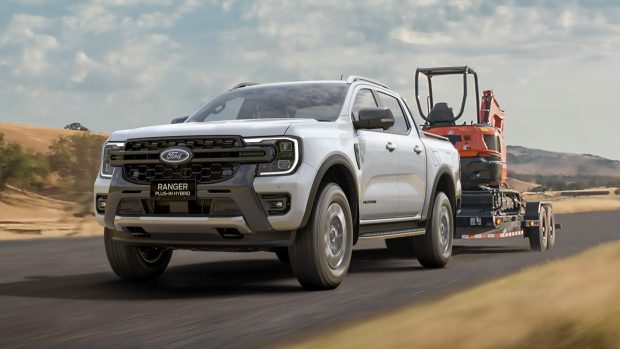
x=337 y=169
x=444 y=182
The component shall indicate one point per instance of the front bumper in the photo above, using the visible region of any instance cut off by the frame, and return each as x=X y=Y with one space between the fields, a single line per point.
x=251 y=228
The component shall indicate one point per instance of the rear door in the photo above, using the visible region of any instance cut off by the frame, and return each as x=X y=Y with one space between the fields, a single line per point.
x=379 y=184
x=411 y=158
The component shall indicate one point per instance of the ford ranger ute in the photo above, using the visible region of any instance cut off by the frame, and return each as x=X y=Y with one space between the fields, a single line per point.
x=302 y=169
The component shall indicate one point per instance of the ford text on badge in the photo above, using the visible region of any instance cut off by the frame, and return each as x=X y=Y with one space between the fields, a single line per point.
x=175 y=156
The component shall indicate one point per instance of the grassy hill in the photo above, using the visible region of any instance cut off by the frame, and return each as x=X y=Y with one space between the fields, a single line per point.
x=36 y=138
x=522 y=160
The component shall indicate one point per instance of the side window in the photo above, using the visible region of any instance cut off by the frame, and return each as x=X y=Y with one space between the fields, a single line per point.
x=364 y=99
x=400 y=122
x=410 y=114
x=226 y=111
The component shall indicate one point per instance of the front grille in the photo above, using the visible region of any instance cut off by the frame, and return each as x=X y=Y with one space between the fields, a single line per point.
x=214 y=159
x=202 y=173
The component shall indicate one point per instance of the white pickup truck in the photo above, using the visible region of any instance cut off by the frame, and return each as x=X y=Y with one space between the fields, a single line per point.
x=302 y=169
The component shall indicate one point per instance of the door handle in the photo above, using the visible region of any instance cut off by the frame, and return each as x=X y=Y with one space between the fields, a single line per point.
x=389 y=146
x=417 y=149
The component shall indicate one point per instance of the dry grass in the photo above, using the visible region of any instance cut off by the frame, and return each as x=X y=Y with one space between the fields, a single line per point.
x=520 y=185
x=25 y=215
x=565 y=204
x=32 y=137
x=587 y=204
x=37 y=138
x=573 y=303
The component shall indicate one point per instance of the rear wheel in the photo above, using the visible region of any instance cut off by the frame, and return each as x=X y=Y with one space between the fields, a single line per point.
x=135 y=263
x=434 y=248
x=402 y=247
x=321 y=254
x=538 y=235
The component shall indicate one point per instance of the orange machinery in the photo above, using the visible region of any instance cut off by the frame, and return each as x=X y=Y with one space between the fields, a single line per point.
x=481 y=143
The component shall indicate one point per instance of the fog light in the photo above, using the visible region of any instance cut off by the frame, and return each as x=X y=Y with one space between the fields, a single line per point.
x=498 y=221
x=284 y=164
x=275 y=204
x=101 y=203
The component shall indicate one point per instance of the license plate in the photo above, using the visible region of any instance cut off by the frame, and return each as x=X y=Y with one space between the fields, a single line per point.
x=173 y=190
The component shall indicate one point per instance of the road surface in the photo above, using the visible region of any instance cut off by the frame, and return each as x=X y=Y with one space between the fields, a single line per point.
x=61 y=293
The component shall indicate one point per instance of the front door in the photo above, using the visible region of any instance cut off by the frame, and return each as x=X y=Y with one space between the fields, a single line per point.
x=411 y=159
x=379 y=164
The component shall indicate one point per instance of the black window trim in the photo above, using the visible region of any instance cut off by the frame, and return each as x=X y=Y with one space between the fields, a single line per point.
x=401 y=110
x=354 y=96
x=410 y=116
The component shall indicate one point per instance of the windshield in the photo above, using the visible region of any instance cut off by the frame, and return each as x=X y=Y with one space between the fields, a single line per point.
x=320 y=101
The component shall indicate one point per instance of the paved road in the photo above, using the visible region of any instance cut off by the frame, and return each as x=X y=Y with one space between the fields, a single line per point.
x=61 y=293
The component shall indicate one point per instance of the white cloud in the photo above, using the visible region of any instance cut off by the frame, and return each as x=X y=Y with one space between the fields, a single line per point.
x=409 y=36
x=155 y=20
x=90 y=18
x=102 y=61
x=34 y=46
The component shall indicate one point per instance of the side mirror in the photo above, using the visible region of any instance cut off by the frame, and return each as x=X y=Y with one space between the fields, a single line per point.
x=371 y=118
x=179 y=120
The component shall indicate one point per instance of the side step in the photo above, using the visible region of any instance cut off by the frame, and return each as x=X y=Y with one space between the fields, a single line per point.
x=390 y=234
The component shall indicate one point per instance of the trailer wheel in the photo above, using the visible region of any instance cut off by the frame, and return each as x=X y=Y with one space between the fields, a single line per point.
x=538 y=235
x=434 y=248
x=550 y=228
x=402 y=247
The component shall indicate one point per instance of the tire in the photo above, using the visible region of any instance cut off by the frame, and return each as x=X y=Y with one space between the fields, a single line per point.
x=135 y=263
x=282 y=254
x=434 y=248
x=538 y=235
x=401 y=247
x=321 y=254
x=550 y=228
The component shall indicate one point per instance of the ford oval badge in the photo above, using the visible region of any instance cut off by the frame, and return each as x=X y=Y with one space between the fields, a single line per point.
x=175 y=156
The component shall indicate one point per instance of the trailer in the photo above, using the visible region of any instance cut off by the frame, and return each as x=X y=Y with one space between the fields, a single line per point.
x=490 y=209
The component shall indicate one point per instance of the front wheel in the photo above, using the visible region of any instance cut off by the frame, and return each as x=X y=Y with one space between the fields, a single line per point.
x=434 y=248
x=321 y=253
x=135 y=263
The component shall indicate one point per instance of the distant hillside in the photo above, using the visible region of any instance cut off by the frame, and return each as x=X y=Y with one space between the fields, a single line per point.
x=522 y=160
x=37 y=138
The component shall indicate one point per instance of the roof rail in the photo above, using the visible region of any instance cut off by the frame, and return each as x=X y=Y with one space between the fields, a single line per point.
x=353 y=78
x=243 y=84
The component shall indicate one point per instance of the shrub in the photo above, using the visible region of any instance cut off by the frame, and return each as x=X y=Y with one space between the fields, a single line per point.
x=76 y=160
x=21 y=167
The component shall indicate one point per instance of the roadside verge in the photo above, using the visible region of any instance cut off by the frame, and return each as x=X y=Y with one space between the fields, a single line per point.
x=571 y=303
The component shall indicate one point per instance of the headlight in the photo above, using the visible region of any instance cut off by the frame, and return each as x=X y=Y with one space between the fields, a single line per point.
x=286 y=159
x=108 y=148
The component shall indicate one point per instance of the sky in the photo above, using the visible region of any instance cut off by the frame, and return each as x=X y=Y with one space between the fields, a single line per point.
x=117 y=64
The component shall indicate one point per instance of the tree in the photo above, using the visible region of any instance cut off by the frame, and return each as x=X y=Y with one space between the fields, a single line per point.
x=76 y=159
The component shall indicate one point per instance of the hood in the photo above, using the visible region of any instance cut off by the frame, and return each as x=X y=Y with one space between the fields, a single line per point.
x=243 y=128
